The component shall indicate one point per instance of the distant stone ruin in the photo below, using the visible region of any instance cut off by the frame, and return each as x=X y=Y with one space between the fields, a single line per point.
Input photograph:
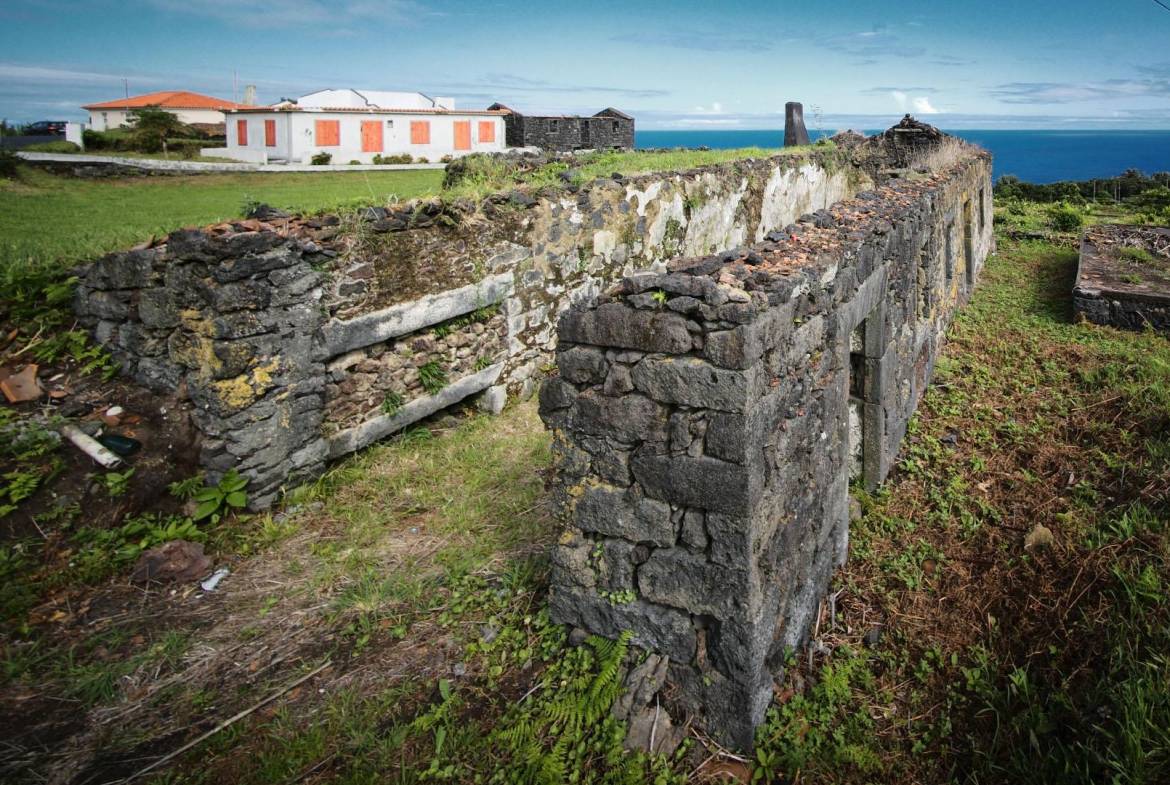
x=710 y=414
x=1123 y=279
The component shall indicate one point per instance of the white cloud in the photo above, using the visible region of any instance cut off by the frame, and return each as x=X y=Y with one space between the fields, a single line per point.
x=919 y=105
x=715 y=108
x=11 y=72
x=327 y=15
x=922 y=105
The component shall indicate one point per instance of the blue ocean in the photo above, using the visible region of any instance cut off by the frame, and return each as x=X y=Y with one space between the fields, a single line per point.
x=1035 y=156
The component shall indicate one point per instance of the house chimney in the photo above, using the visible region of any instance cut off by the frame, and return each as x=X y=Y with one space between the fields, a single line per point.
x=250 y=95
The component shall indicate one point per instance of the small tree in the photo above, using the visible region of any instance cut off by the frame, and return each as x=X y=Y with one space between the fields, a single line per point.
x=151 y=127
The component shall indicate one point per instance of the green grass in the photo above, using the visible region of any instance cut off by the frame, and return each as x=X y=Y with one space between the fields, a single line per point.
x=995 y=664
x=47 y=218
x=493 y=174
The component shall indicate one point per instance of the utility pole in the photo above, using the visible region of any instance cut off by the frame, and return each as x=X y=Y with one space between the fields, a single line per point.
x=235 y=86
x=126 y=87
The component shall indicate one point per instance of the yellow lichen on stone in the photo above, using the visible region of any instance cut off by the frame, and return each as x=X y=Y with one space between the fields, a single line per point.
x=240 y=391
x=195 y=349
x=235 y=392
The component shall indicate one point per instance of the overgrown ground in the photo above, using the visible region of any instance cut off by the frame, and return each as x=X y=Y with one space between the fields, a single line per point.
x=388 y=624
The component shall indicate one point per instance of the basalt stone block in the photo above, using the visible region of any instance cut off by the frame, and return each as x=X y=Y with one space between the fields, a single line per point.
x=572 y=562
x=615 y=568
x=112 y=306
x=582 y=365
x=157 y=309
x=688 y=581
x=693 y=382
x=614 y=324
x=237 y=268
x=619 y=512
x=631 y=418
x=705 y=483
x=242 y=324
x=610 y=460
x=242 y=295
x=660 y=628
x=129 y=270
x=194 y=245
x=556 y=398
x=697 y=286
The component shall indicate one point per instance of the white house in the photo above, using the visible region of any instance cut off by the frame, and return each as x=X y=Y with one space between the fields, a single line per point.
x=353 y=125
x=190 y=108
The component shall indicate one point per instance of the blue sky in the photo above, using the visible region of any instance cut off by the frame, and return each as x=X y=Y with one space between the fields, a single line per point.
x=710 y=64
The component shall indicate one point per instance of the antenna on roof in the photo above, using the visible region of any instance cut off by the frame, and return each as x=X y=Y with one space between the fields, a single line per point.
x=126 y=87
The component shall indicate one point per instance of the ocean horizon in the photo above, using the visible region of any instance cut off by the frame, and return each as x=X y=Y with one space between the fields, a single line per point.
x=1041 y=156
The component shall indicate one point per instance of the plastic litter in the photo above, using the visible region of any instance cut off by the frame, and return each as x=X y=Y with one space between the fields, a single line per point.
x=216 y=577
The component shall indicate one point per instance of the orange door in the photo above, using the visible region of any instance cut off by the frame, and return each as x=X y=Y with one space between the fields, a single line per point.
x=371 y=136
x=487 y=131
x=242 y=133
x=270 y=133
x=462 y=134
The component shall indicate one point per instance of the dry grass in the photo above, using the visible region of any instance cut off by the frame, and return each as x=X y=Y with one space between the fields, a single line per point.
x=942 y=156
x=359 y=579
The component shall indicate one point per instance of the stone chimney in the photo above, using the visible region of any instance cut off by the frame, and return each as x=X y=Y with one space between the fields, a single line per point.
x=250 y=95
x=794 y=130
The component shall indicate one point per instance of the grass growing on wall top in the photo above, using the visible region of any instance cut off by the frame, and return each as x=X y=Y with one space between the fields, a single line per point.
x=489 y=174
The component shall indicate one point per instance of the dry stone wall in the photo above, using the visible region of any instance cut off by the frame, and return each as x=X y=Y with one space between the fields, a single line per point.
x=303 y=339
x=709 y=417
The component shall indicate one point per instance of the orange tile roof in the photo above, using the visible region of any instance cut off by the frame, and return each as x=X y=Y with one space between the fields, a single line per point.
x=169 y=99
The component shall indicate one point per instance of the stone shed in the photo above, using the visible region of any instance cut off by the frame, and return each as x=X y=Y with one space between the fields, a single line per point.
x=609 y=129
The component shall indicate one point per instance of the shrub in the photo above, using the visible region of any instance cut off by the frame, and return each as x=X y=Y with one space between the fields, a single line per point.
x=422 y=160
x=8 y=161
x=354 y=162
x=1065 y=218
x=446 y=159
x=321 y=159
x=403 y=158
x=58 y=146
x=114 y=139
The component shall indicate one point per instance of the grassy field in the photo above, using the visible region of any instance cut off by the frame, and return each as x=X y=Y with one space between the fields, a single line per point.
x=413 y=577
x=1003 y=618
x=49 y=218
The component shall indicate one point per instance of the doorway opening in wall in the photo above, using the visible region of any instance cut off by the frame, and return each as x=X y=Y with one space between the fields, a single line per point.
x=857 y=385
x=968 y=248
x=949 y=261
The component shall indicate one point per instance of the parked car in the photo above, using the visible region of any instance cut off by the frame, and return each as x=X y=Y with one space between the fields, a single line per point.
x=46 y=128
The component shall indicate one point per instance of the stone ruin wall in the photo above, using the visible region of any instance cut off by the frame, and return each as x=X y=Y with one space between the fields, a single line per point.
x=1124 y=294
x=708 y=420
x=300 y=340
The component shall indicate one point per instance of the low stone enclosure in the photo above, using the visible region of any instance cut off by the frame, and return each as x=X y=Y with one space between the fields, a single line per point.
x=301 y=339
x=1123 y=279
x=708 y=420
x=708 y=411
